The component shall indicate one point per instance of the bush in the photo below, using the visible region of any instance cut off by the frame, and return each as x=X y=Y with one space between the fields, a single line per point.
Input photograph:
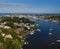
x=1 y=39
x=11 y=24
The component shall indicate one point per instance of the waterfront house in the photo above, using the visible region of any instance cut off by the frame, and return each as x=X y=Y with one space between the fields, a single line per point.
x=19 y=30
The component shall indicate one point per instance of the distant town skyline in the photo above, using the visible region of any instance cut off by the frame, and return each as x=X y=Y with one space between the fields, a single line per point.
x=29 y=6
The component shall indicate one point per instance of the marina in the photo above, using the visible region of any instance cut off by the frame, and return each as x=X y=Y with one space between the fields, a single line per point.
x=45 y=36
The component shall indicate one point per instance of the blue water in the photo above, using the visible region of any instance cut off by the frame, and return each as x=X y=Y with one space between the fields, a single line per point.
x=42 y=40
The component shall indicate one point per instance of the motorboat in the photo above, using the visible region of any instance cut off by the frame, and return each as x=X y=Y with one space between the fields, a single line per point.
x=31 y=33
x=58 y=40
x=38 y=30
x=26 y=42
x=46 y=20
x=50 y=33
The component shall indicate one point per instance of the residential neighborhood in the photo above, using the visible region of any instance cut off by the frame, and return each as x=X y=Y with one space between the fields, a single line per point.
x=15 y=28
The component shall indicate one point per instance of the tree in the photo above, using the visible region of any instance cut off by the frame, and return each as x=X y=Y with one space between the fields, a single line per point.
x=11 y=24
x=8 y=44
x=15 y=43
x=16 y=19
x=1 y=39
x=25 y=20
x=6 y=19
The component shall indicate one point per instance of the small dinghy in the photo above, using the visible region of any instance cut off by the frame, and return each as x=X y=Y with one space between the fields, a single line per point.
x=50 y=29
x=26 y=42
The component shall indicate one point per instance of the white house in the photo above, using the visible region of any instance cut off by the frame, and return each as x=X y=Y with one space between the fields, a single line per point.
x=9 y=36
x=3 y=34
x=28 y=27
x=32 y=25
x=1 y=26
x=5 y=23
x=6 y=27
x=21 y=24
x=15 y=24
x=6 y=36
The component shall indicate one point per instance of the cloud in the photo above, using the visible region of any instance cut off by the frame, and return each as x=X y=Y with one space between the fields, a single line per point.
x=15 y=4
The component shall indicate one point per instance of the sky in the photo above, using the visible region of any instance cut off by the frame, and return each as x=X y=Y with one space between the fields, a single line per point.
x=29 y=6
